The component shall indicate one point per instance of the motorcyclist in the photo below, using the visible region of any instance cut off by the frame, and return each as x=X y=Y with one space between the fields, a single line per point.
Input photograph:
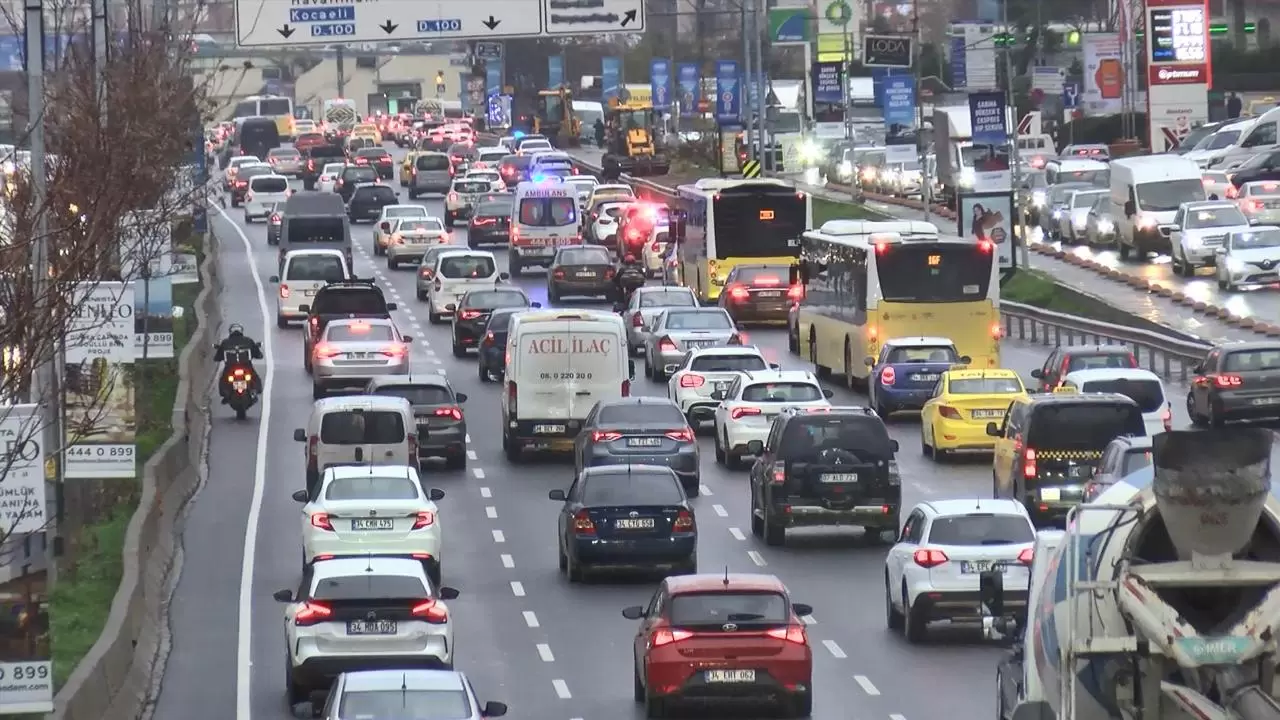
x=630 y=276
x=237 y=350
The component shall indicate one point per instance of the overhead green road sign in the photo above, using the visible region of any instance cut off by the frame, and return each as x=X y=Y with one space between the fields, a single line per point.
x=789 y=26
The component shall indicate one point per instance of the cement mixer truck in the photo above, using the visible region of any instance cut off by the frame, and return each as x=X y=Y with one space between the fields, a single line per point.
x=1160 y=601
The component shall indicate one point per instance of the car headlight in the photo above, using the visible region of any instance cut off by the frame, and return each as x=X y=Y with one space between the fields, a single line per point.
x=966 y=177
x=1106 y=226
x=1057 y=213
x=1079 y=219
x=1193 y=241
x=1235 y=266
x=846 y=168
x=1038 y=198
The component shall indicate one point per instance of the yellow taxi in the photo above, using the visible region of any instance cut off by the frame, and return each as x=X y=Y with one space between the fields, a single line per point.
x=368 y=130
x=612 y=191
x=964 y=401
x=406 y=167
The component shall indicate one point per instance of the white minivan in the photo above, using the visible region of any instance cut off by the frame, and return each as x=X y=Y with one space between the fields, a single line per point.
x=1141 y=386
x=304 y=273
x=544 y=217
x=560 y=363
x=1259 y=138
x=1146 y=193
x=358 y=430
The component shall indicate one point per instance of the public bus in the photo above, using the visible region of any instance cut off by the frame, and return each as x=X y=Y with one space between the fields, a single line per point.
x=276 y=107
x=867 y=282
x=730 y=221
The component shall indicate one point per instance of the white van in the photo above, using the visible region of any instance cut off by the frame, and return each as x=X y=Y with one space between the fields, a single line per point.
x=304 y=273
x=1142 y=386
x=455 y=273
x=544 y=217
x=1211 y=150
x=1260 y=138
x=1145 y=195
x=358 y=430
x=1065 y=170
x=560 y=363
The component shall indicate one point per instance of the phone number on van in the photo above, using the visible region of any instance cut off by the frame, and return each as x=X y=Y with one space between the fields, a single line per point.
x=565 y=376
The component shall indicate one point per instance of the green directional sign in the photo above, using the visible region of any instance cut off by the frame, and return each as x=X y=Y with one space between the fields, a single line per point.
x=789 y=26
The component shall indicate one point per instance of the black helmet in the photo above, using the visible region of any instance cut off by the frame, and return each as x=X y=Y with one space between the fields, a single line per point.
x=235 y=330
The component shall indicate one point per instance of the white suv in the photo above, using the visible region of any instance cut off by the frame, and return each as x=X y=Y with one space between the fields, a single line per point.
x=748 y=406
x=706 y=370
x=360 y=612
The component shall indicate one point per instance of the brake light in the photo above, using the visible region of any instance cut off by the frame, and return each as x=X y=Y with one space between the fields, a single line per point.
x=796 y=293
x=684 y=522
x=949 y=412
x=311 y=165
x=1255 y=205
x=888 y=376
x=385 y=160
x=426 y=518
x=488 y=339
x=313 y=445
x=453 y=197
x=327 y=351
x=362 y=161
x=685 y=435
x=637 y=319
x=737 y=338
x=626 y=388
x=666 y=344
x=605 y=436
x=667 y=636
x=321 y=521
x=431 y=611
x=692 y=380
x=426 y=272
x=483 y=221
x=790 y=633
x=1166 y=417
x=511 y=396
x=275 y=219
x=741 y=412
x=449 y=412
x=284 y=292
x=738 y=293
x=395 y=350
x=1206 y=181
x=582 y=524
x=469 y=314
x=656 y=247
x=1228 y=381
x=779 y=475
x=558 y=274
x=1026 y=556
x=1232 y=192
x=1029 y=463
x=249 y=197
x=927 y=558
x=996 y=330
x=242 y=183
x=311 y=612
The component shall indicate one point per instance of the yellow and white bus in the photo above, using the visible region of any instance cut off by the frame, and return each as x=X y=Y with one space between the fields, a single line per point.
x=738 y=221
x=867 y=282
x=276 y=107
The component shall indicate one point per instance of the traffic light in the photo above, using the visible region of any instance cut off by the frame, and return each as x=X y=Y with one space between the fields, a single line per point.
x=1004 y=40
x=1073 y=37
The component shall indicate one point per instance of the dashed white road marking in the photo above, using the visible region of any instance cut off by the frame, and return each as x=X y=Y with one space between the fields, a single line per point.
x=486 y=492
x=498 y=537
x=544 y=652
x=756 y=558
x=866 y=684
x=468 y=438
x=471 y=454
x=895 y=716
x=808 y=620
x=834 y=649
x=517 y=588
x=562 y=689
x=530 y=619
x=478 y=472
x=491 y=512
x=720 y=510
x=508 y=561
x=705 y=490
x=737 y=534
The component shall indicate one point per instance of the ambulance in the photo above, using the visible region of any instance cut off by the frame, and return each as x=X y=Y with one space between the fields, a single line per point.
x=544 y=217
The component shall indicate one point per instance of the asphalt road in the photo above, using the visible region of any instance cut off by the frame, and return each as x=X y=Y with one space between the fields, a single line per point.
x=550 y=650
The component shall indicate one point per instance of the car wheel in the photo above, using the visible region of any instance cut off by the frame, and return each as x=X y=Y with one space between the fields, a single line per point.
x=757 y=522
x=297 y=694
x=482 y=371
x=317 y=391
x=458 y=350
x=1196 y=417
x=456 y=462
x=775 y=534
x=282 y=322
x=433 y=572
x=564 y=561
x=914 y=623
x=422 y=297
x=637 y=691
x=892 y=616
x=719 y=450
x=654 y=707
x=574 y=571
x=434 y=317
x=801 y=705
x=392 y=263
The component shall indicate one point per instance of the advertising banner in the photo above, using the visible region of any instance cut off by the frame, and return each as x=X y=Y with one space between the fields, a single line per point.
x=900 y=119
x=492 y=77
x=101 y=423
x=959 y=79
x=610 y=77
x=1103 y=73
x=660 y=83
x=989 y=216
x=826 y=80
x=555 y=71
x=688 y=80
x=980 y=57
x=728 y=92
x=990 y=152
x=1178 y=70
x=22 y=498
x=146 y=246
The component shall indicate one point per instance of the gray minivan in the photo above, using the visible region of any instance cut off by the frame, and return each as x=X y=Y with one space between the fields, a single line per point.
x=432 y=173
x=315 y=220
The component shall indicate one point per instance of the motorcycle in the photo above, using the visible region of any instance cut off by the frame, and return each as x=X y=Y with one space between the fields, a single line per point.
x=630 y=276
x=239 y=391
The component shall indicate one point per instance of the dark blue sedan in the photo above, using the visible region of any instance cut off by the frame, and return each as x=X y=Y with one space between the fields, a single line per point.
x=905 y=373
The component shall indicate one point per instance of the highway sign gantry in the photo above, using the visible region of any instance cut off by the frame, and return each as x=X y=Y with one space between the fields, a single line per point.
x=287 y=23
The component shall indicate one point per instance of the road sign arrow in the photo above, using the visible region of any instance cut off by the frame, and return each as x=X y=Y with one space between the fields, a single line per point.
x=285 y=31
x=628 y=17
x=491 y=23
x=388 y=28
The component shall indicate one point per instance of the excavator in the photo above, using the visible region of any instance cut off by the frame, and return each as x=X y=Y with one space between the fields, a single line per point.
x=629 y=143
x=553 y=117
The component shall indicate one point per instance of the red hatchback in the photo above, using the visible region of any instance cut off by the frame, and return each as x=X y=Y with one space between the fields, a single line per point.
x=722 y=639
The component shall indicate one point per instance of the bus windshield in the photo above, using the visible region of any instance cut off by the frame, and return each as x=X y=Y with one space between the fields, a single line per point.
x=758 y=222
x=930 y=273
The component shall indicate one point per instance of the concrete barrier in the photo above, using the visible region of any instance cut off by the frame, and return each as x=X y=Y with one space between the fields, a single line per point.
x=119 y=677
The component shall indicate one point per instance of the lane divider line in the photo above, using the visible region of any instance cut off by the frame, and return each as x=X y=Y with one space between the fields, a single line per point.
x=562 y=689
x=491 y=512
x=834 y=649
x=720 y=510
x=471 y=454
x=544 y=652
x=756 y=558
x=705 y=490
x=737 y=534
x=486 y=492
x=531 y=619
x=508 y=561
x=498 y=537
x=517 y=588
x=478 y=472
x=866 y=684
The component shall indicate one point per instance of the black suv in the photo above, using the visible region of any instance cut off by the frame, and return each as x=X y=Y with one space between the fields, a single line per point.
x=341 y=301
x=378 y=159
x=351 y=176
x=315 y=158
x=825 y=466
x=367 y=201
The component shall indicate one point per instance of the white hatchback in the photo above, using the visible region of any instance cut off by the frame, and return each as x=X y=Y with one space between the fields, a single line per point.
x=706 y=370
x=751 y=402
x=265 y=193
x=456 y=273
x=1141 y=386
x=328 y=180
x=303 y=274
x=372 y=510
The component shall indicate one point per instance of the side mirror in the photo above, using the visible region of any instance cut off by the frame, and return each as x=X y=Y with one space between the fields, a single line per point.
x=635 y=612
x=775 y=366
x=993 y=429
x=305 y=710
x=535 y=305
x=460 y=398
x=991 y=591
x=869 y=361
x=299 y=435
x=504 y=276
x=893 y=445
x=436 y=494
x=406 y=339
x=1038 y=374
x=755 y=447
x=300 y=496
x=801 y=609
x=304 y=308
x=386 y=227
x=717 y=395
x=392 y=306
x=631 y=369
x=494 y=709
x=1213 y=196
x=557 y=495
x=828 y=394
x=448 y=593
x=273 y=279
x=965 y=359
x=1130 y=208
x=284 y=596
x=451 y=307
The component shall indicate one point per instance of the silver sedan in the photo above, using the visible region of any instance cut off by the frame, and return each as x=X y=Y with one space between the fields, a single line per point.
x=352 y=351
x=676 y=331
x=285 y=161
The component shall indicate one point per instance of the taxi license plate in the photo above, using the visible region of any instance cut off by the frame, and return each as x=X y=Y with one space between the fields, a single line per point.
x=373 y=524
x=731 y=676
x=240 y=385
x=548 y=429
x=372 y=627
x=634 y=523
x=988 y=414
x=644 y=442
x=839 y=477
x=769 y=294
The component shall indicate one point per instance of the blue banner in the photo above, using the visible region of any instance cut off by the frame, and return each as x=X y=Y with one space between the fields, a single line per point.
x=555 y=71
x=610 y=77
x=826 y=78
x=728 y=92
x=660 y=83
x=492 y=77
x=13 y=50
x=987 y=116
x=959 y=73
x=899 y=103
x=688 y=80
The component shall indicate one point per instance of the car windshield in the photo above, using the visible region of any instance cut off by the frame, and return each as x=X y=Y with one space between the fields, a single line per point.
x=807 y=436
x=698 y=321
x=728 y=363
x=1262 y=189
x=1219 y=140
x=1166 y=195
x=1256 y=239
x=922 y=354
x=405 y=705
x=417 y=225
x=471 y=187
x=980 y=529
x=585 y=256
x=495 y=208
x=632 y=488
x=1216 y=178
x=548 y=211
x=1101 y=360
x=499 y=322
x=459 y=267
x=371 y=488
x=641 y=414
x=714 y=610
x=667 y=298
x=417 y=394
x=269 y=185
x=1083 y=200
x=984 y=386
x=1147 y=393
x=1252 y=360
x=404 y=211
x=359 y=175
x=768 y=276
x=1058 y=193
x=782 y=392
x=284 y=154
x=495 y=299
x=321 y=268
x=1215 y=217
x=358 y=332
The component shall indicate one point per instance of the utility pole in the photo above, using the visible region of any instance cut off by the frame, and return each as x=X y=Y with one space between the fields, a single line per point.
x=749 y=134
x=1011 y=112
x=339 y=60
x=926 y=186
x=100 y=40
x=767 y=159
x=48 y=376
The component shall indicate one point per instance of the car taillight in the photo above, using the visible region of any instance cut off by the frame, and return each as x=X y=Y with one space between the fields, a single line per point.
x=666 y=344
x=1228 y=381
x=321 y=521
x=666 y=636
x=469 y=314
x=1255 y=205
x=431 y=611
x=637 y=319
x=453 y=197
x=362 y=161
x=1232 y=192
x=284 y=292
x=949 y=412
x=311 y=165
x=737 y=338
x=684 y=522
x=426 y=518
x=327 y=351
x=741 y=412
x=395 y=350
x=275 y=219
x=738 y=293
x=779 y=475
x=1026 y=556
x=796 y=293
x=449 y=412
x=626 y=388
x=511 y=398
x=249 y=197
x=312 y=612
x=426 y=272
x=242 y=183
x=313 y=446
x=488 y=339
x=692 y=380
x=384 y=160
x=558 y=274
x=605 y=436
x=790 y=633
x=655 y=247
x=685 y=435
x=888 y=376
x=996 y=330
x=1029 y=463
x=1166 y=417
x=582 y=524
x=928 y=558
